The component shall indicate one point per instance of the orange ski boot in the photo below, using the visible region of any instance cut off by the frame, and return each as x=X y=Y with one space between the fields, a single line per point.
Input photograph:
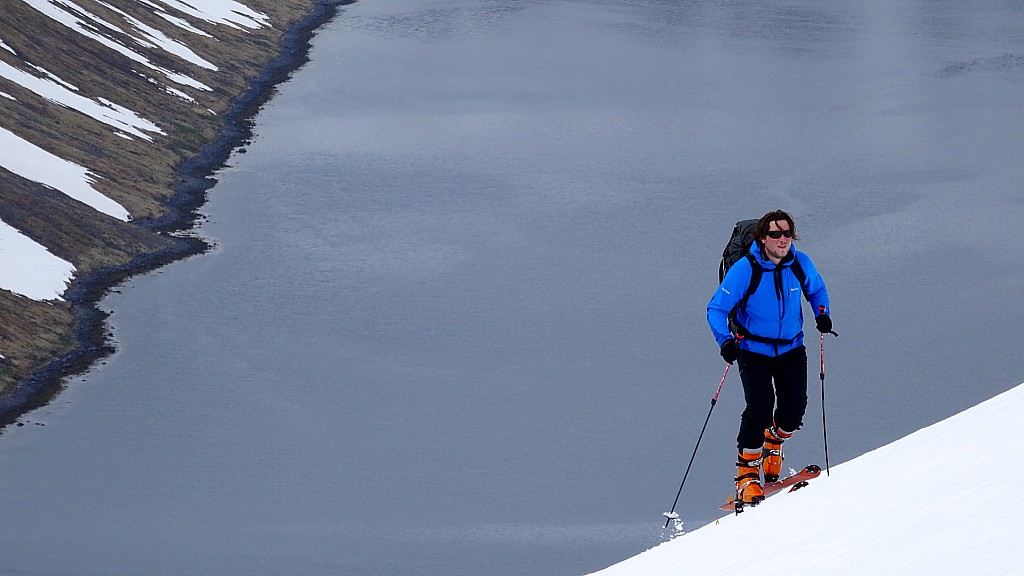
x=772 y=453
x=748 y=478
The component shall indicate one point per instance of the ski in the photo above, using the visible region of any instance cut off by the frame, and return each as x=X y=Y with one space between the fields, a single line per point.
x=798 y=485
x=793 y=482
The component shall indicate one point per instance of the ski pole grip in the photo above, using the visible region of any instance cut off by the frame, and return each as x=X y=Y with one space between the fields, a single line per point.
x=821 y=310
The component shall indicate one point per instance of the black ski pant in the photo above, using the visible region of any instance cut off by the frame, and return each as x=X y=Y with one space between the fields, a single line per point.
x=775 y=389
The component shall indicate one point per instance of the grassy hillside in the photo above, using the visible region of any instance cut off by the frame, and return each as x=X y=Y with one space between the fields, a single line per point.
x=159 y=182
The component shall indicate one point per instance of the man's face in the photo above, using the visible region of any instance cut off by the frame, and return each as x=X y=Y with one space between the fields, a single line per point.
x=777 y=248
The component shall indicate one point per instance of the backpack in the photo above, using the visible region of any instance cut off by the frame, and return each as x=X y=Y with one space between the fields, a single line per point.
x=739 y=247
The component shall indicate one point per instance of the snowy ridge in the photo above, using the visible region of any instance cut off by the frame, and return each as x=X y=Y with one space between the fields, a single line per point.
x=30 y=269
x=934 y=502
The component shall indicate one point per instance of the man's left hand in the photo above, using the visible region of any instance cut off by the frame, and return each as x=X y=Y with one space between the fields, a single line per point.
x=824 y=323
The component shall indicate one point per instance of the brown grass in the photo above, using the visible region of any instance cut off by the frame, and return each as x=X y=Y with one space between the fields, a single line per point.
x=140 y=175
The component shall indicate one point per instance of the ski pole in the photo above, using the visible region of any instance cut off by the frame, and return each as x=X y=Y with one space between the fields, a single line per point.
x=824 y=427
x=671 y=515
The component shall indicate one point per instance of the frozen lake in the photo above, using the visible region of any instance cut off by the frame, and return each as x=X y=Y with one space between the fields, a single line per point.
x=454 y=323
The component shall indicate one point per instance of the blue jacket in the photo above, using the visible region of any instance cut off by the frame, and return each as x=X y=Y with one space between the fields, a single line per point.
x=769 y=313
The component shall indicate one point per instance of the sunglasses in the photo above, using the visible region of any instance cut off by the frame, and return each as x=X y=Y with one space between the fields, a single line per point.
x=776 y=234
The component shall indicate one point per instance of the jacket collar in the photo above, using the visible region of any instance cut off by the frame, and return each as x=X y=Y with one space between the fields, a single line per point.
x=755 y=250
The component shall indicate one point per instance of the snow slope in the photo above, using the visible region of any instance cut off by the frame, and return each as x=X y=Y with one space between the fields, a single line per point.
x=934 y=502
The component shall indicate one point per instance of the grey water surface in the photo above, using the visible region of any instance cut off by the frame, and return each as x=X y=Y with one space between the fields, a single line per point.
x=454 y=321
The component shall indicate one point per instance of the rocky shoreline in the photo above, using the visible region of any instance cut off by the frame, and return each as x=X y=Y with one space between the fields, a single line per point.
x=181 y=213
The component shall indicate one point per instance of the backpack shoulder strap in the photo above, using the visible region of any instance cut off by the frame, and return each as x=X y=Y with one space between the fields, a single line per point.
x=798 y=271
x=755 y=280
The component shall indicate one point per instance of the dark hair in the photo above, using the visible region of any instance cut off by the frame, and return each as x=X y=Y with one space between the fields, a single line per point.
x=765 y=224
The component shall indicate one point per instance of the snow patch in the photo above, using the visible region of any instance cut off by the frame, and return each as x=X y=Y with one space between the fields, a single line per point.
x=226 y=12
x=29 y=269
x=67 y=14
x=33 y=163
x=55 y=78
x=158 y=38
x=58 y=92
x=180 y=23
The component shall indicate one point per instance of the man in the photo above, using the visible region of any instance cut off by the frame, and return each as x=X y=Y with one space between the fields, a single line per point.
x=765 y=336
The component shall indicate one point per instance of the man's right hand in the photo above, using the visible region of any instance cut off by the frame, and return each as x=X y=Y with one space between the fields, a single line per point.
x=730 y=350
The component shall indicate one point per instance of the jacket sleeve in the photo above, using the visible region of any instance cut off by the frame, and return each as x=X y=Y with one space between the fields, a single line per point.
x=729 y=293
x=814 y=285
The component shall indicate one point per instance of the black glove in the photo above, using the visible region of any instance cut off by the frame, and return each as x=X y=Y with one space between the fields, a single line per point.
x=823 y=322
x=730 y=350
